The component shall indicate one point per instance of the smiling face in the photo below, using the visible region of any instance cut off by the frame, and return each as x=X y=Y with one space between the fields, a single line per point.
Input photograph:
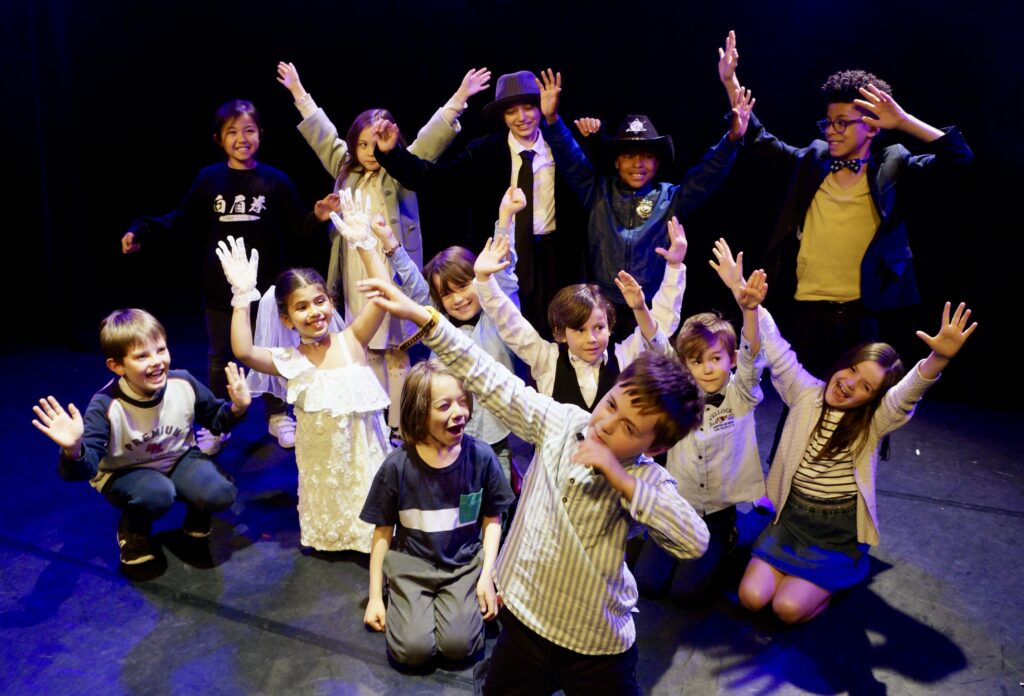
x=449 y=412
x=621 y=427
x=589 y=342
x=711 y=367
x=145 y=366
x=855 y=141
x=523 y=120
x=854 y=386
x=458 y=298
x=636 y=169
x=240 y=139
x=309 y=311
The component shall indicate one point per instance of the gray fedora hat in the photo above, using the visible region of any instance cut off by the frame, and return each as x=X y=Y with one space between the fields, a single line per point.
x=514 y=88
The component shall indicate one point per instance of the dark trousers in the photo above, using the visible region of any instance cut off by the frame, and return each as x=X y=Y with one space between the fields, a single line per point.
x=144 y=495
x=822 y=331
x=692 y=580
x=523 y=663
x=218 y=332
x=547 y=280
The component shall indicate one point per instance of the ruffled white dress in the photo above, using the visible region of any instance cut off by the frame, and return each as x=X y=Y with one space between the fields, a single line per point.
x=341 y=440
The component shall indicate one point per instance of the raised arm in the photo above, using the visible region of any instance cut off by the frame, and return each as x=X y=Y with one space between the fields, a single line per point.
x=241 y=275
x=513 y=328
x=888 y=115
x=528 y=414
x=668 y=301
x=570 y=159
x=408 y=276
x=437 y=134
x=355 y=228
x=953 y=333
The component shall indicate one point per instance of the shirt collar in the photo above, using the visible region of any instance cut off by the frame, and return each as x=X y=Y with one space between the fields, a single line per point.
x=540 y=147
x=578 y=362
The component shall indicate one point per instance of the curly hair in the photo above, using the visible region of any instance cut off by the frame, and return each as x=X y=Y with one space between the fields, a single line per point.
x=844 y=86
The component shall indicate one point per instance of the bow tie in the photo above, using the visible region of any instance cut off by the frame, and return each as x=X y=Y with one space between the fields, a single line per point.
x=715 y=399
x=853 y=165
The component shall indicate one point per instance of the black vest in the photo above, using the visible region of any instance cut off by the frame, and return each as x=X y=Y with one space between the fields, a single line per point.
x=567 y=388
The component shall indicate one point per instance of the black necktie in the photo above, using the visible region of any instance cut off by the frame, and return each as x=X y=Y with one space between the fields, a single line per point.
x=853 y=165
x=524 y=224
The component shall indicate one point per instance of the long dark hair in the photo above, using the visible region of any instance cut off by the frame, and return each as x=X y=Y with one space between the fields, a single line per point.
x=367 y=118
x=853 y=426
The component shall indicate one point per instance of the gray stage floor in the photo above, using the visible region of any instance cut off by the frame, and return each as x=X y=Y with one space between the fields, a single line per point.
x=253 y=613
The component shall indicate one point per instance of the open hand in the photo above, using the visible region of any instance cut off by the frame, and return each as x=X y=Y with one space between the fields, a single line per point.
x=631 y=291
x=952 y=335
x=728 y=60
x=288 y=76
x=752 y=293
x=887 y=113
x=475 y=81
x=729 y=269
x=354 y=222
x=393 y=301
x=742 y=107
x=550 y=84
x=676 y=251
x=240 y=271
x=238 y=389
x=63 y=427
x=493 y=258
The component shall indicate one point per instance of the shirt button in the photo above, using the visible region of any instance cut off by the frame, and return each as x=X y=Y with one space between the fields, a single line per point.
x=702 y=485
x=388 y=192
x=565 y=500
x=572 y=480
x=394 y=221
x=700 y=456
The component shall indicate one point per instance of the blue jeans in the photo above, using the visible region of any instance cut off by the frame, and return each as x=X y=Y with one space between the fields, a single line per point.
x=144 y=495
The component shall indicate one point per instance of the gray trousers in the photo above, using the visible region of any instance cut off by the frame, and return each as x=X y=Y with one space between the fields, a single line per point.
x=431 y=609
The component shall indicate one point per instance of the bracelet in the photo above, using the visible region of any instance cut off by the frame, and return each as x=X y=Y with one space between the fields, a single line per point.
x=391 y=252
x=424 y=330
x=302 y=101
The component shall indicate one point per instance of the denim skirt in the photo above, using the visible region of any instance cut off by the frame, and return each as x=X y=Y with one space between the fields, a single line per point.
x=816 y=539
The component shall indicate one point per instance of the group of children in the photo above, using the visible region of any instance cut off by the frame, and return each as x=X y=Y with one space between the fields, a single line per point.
x=430 y=510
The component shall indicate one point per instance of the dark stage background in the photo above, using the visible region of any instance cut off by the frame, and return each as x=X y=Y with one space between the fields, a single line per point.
x=107 y=116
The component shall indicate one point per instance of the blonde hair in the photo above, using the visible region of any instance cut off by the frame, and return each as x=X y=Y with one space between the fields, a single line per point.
x=701 y=331
x=416 y=398
x=123 y=329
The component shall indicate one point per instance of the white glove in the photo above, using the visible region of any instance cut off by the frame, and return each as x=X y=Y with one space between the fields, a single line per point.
x=355 y=225
x=241 y=273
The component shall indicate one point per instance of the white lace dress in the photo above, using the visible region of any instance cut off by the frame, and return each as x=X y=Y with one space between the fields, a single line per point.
x=341 y=440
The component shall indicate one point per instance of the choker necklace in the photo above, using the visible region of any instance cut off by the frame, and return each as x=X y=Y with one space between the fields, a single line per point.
x=313 y=340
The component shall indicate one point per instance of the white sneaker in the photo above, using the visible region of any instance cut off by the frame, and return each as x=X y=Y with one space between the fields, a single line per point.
x=282 y=426
x=208 y=443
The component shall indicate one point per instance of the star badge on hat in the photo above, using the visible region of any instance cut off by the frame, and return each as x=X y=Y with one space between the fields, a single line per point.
x=636 y=126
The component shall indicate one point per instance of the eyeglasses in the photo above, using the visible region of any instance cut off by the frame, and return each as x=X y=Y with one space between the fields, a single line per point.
x=839 y=124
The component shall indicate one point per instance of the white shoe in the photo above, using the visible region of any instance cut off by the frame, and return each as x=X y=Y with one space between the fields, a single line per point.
x=208 y=443
x=282 y=426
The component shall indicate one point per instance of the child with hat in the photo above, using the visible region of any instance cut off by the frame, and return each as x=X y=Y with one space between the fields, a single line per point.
x=628 y=214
